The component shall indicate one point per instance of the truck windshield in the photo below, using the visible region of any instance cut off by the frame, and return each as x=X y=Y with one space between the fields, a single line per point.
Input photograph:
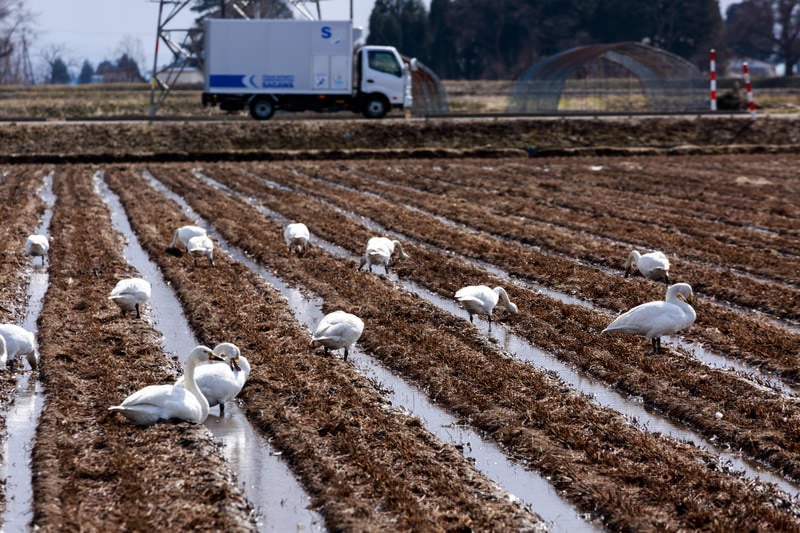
x=384 y=62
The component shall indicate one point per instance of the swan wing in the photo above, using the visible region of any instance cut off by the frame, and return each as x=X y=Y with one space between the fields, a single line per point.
x=477 y=298
x=160 y=402
x=652 y=319
x=652 y=262
x=217 y=382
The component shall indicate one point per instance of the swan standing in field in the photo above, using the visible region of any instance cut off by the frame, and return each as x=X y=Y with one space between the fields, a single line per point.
x=379 y=252
x=130 y=294
x=18 y=341
x=338 y=330
x=220 y=382
x=653 y=265
x=296 y=236
x=201 y=246
x=654 y=319
x=156 y=403
x=182 y=235
x=37 y=246
x=481 y=300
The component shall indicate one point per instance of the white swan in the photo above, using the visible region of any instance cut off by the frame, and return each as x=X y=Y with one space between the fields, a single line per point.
x=338 y=330
x=296 y=236
x=379 y=252
x=156 y=403
x=652 y=265
x=201 y=246
x=654 y=319
x=182 y=235
x=37 y=246
x=219 y=382
x=130 y=294
x=18 y=341
x=481 y=300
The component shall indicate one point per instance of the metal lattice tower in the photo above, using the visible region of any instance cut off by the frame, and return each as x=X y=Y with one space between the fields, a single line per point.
x=177 y=41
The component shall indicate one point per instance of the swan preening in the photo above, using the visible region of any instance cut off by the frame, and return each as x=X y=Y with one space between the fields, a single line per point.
x=130 y=294
x=481 y=300
x=296 y=236
x=654 y=319
x=37 y=246
x=220 y=382
x=652 y=265
x=338 y=330
x=195 y=240
x=156 y=403
x=379 y=252
x=17 y=341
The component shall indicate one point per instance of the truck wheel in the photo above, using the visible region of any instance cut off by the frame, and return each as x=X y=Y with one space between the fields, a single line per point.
x=262 y=108
x=376 y=107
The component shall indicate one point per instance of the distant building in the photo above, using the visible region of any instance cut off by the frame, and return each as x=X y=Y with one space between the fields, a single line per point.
x=758 y=69
x=124 y=71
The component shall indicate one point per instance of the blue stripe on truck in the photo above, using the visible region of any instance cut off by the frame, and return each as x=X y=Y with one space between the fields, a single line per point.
x=226 y=80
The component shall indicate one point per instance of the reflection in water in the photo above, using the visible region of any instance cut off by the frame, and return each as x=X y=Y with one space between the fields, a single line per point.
x=631 y=408
x=524 y=486
x=23 y=415
x=280 y=502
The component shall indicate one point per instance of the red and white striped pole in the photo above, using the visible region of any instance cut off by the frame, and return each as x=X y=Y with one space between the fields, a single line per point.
x=713 y=70
x=751 y=106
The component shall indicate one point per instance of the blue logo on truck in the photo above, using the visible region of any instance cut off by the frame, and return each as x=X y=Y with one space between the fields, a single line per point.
x=250 y=81
x=278 y=81
x=326 y=32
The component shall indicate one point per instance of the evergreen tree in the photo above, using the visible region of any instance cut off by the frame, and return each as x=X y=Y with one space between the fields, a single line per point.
x=442 y=55
x=59 y=73
x=87 y=71
x=402 y=24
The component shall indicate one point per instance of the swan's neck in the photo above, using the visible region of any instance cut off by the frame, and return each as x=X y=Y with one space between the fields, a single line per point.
x=501 y=292
x=174 y=239
x=399 y=246
x=191 y=386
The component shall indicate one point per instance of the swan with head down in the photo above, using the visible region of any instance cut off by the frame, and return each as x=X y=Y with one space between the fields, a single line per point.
x=296 y=236
x=481 y=300
x=658 y=318
x=201 y=246
x=37 y=246
x=130 y=294
x=18 y=342
x=183 y=235
x=338 y=330
x=652 y=265
x=379 y=252
x=220 y=382
x=170 y=403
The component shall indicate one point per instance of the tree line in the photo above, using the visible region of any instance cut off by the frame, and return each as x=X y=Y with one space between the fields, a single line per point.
x=499 y=39
x=479 y=39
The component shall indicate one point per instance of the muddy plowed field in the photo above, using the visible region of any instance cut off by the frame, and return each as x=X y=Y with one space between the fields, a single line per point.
x=554 y=232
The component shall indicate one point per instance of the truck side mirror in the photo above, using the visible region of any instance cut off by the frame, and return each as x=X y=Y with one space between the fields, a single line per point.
x=412 y=63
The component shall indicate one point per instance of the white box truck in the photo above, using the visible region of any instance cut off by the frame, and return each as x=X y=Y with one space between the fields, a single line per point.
x=297 y=65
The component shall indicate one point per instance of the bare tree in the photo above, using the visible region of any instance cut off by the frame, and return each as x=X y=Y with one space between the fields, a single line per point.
x=764 y=29
x=16 y=33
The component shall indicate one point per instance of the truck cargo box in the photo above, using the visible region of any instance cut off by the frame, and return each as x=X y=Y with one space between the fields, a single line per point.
x=278 y=56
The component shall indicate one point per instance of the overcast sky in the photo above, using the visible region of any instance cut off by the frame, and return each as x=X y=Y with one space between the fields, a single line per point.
x=97 y=29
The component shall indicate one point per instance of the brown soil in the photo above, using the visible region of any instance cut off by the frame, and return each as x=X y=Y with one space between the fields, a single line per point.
x=728 y=222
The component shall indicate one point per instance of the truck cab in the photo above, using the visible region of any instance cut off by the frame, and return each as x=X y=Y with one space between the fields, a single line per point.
x=383 y=80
